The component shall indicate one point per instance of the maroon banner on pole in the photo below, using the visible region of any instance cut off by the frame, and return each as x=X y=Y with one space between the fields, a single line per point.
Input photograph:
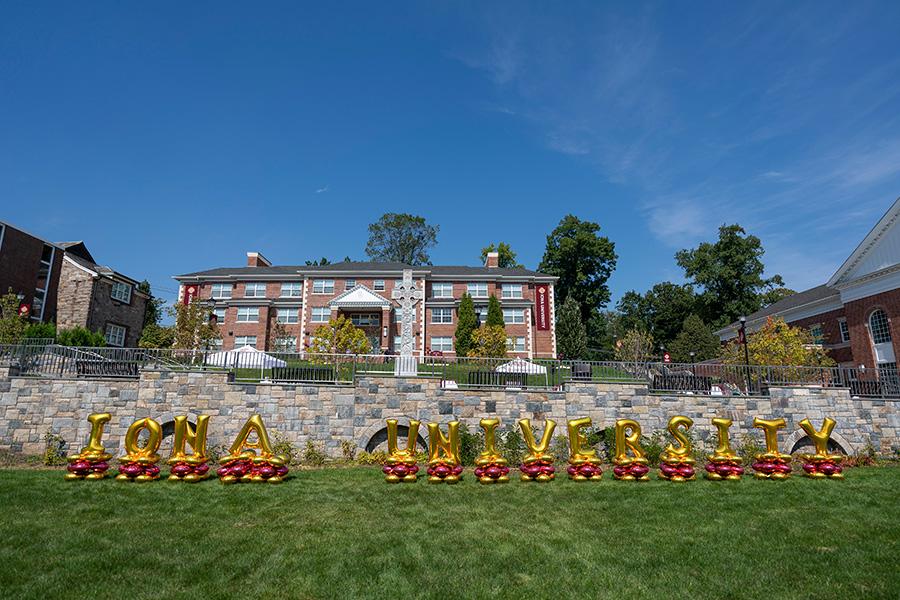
x=542 y=307
x=190 y=292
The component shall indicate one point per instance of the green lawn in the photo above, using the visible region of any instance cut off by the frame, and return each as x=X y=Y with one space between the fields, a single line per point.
x=345 y=533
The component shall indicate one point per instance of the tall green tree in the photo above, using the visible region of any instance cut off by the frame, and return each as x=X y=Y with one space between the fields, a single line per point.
x=776 y=294
x=401 y=237
x=466 y=323
x=695 y=336
x=506 y=258
x=319 y=263
x=571 y=334
x=730 y=274
x=192 y=327
x=494 y=313
x=583 y=261
x=153 y=312
x=12 y=325
x=661 y=311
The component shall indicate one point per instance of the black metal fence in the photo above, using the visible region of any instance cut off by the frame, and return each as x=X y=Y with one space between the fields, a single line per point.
x=51 y=360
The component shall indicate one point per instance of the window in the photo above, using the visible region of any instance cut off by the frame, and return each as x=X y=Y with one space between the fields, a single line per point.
x=442 y=290
x=511 y=290
x=817 y=334
x=215 y=345
x=845 y=330
x=43 y=282
x=121 y=292
x=441 y=315
x=292 y=289
x=442 y=344
x=115 y=335
x=288 y=315
x=477 y=290
x=321 y=314
x=365 y=319
x=323 y=286
x=397 y=342
x=220 y=315
x=248 y=314
x=378 y=285
x=254 y=290
x=515 y=344
x=286 y=344
x=513 y=316
x=879 y=327
x=481 y=313
x=244 y=340
x=221 y=291
x=351 y=283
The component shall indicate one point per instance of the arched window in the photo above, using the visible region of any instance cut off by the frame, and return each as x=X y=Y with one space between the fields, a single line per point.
x=879 y=327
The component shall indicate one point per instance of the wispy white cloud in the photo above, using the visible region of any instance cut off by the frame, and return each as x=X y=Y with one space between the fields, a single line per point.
x=322 y=190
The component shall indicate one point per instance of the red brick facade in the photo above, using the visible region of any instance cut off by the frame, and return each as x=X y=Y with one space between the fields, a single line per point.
x=22 y=271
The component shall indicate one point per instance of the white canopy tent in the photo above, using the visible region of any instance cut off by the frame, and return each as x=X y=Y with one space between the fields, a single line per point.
x=520 y=365
x=245 y=357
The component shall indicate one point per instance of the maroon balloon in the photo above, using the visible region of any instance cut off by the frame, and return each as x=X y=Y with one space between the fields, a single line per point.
x=809 y=467
x=281 y=470
x=493 y=472
x=387 y=469
x=548 y=469
x=639 y=470
x=711 y=468
x=267 y=471
x=571 y=470
x=783 y=467
x=457 y=469
x=442 y=471
x=828 y=468
x=201 y=469
x=182 y=469
x=620 y=471
x=686 y=471
x=223 y=471
x=152 y=470
x=479 y=472
x=401 y=471
x=413 y=469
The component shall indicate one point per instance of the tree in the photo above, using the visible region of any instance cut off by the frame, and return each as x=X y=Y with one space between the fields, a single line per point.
x=80 y=336
x=192 y=327
x=494 y=314
x=571 y=334
x=320 y=263
x=730 y=273
x=660 y=312
x=636 y=346
x=157 y=336
x=466 y=323
x=12 y=324
x=488 y=341
x=339 y=336
x=401 y=237
x=778 y=344
x=696 y=337
x=774 y=295
x=506 y=258
x=582 y=260
x=42 y=331
x=154 y=306
x=277 y=333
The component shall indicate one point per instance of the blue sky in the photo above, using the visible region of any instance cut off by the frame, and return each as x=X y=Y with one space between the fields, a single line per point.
x=174 y=137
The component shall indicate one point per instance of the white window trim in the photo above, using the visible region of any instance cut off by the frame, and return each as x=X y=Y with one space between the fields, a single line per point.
x=842 y=326
x=518 y=295
x=432 y=339
x=441 y=311
x=478 y=285
x=291 y=285
x=121 y=285
x=118 y=329
x=443 y=286
x=222 y=287
x=324 y=291
x=287 y=312
x=249 y=310
x=376 y=287
x=244 y=337
x=521 y=314
x=256 y=285
x=322 y=310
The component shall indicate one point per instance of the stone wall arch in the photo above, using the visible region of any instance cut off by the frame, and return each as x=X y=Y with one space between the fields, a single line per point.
x=376 y=434
x=798 y=439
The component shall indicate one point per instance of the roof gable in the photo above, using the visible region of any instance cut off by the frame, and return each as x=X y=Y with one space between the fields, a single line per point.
x=879 y=250
x=360 y=296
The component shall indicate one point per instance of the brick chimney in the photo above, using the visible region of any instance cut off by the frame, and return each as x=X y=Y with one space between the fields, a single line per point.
x=493 y=260
x=255 y=259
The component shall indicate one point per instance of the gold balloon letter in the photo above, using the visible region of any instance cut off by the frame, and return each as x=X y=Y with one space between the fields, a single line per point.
x=443 y=454
x=400 y=465
x=91 y=463
x=724 y=463
x=676 y=463
x=490 y=466
x=630 y=468
x=189 y=467
x=537 y=465
x=243 y=463
x=583 y=462
x=822 y=464
x=771 y=464
x=139 y=462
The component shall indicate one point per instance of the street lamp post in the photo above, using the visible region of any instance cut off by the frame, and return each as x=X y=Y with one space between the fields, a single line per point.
x=743 y=330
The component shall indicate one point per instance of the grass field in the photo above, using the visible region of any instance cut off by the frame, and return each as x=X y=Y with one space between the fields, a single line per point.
x=344 y=533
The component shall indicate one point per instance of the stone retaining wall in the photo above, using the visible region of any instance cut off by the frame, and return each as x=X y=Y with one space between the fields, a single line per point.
x=328 y=414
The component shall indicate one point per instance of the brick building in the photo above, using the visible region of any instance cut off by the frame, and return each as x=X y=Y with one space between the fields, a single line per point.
x=856 y=314
x=249 y=301
x=30 y=267
x=99 y=298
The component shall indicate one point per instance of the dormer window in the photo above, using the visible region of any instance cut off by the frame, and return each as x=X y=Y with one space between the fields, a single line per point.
x=121 y=292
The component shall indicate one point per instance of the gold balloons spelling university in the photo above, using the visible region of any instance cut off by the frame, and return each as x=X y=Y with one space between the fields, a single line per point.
x=244 y=464
x=584 y=464
x=822 y=464
x=676 y=462
x=537 y=465
x=139 y=462
x=490 y=466
x=91 y=463
x=444 y=465
x=771 y=464
x=400 y=465
x=724 y=463
x=189 y=467
x=634 y=467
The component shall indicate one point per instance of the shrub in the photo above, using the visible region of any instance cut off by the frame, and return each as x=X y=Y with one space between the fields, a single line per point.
x=512 y=445
x=371 y=458
x=348 y=450
x=867 y=457
x=488 y=341
x=470 y=445
x=653 y=445
x=285 y=447
x=54 y=449
x=559 y=448
x=748 y=447
x=80 y=336
x=216 y=452
x=40 y=331
x=313 y=455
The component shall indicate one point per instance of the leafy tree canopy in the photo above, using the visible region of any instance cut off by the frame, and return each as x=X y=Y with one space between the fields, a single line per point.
x=466 y=323
x=192 y=327
x=494 y=313
x=318 y=263
x=80 y=336
x=571 y=334
x=154 y=309
x=488 y=341
x=774 y=295
x=660 y=312
x=12 y=325
x=730 y=274
x=778 y=344
x=339 y=336
x=401 y=237
x=157 y=336
x=695 y=336
x=583 y=261
x=635 y=346
x=506 y=258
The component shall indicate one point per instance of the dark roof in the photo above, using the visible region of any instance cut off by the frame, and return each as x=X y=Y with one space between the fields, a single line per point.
x=815 y=294
x=77 y=248
x=359 y=267
x=102 y=270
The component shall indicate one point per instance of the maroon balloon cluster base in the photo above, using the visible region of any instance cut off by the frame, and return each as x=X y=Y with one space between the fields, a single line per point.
x=405 y=472
x=730 y=470
x=81 y=468
x=441 y=472
x=820 y=469
x=631 y=472
x=492 y=473
x=772 y=468
x=584 y=472
x=182 y=471
x=251 y=470
x=135 y=471
x=677 y=471
x=539 y=470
